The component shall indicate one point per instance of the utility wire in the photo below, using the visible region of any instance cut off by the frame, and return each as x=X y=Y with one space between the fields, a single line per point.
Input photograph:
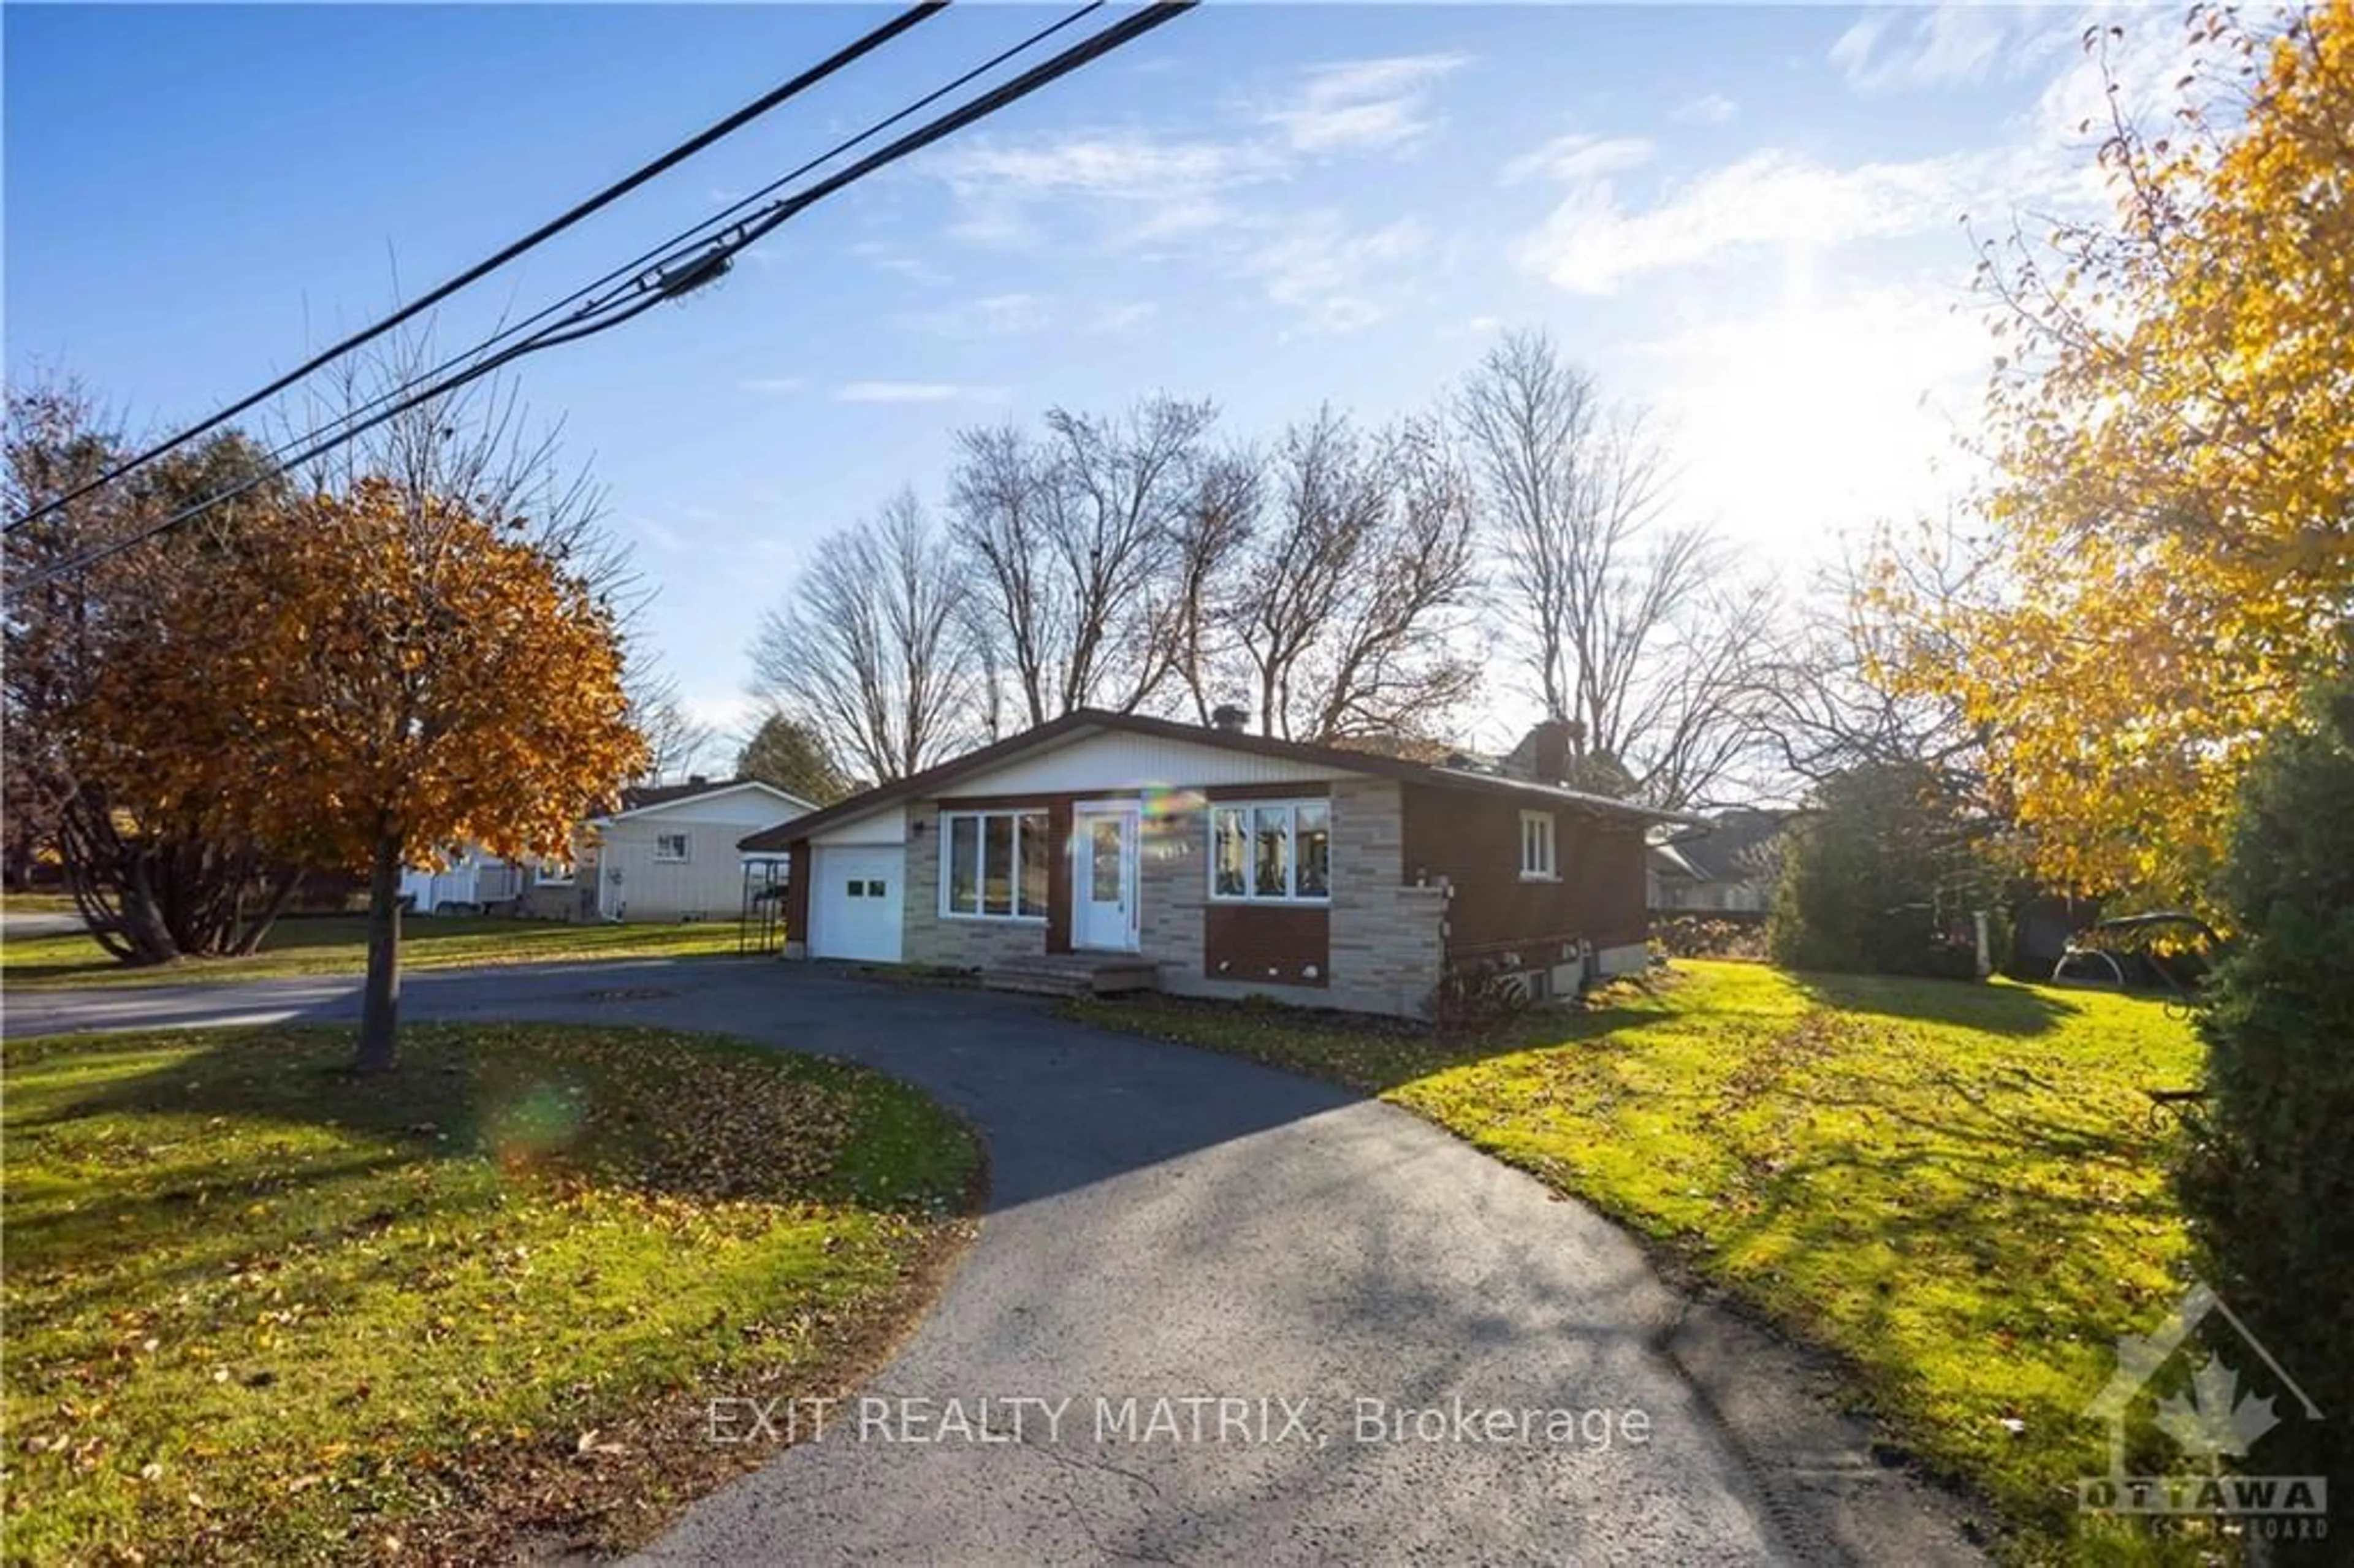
x=640 y=266
x=650 y=289
x=875 y=39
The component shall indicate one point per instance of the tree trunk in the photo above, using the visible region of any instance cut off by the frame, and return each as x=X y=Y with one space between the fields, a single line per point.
x=249 y=940
x=380 y=1006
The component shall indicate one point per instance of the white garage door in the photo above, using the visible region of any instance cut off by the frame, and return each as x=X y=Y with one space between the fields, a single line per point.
x=855 y=904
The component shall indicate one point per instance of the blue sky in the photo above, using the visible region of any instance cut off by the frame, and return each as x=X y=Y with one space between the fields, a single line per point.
x=1746 y=218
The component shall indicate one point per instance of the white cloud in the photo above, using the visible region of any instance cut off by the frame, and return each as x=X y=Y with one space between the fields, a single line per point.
x=994 y=315
x=1122 y=166
x=890 y=258
x=1340 y=278
x=1369 y=103
x=1595 y=241
x=1591 y=244
x=1128 y=195
x=775 y=386
x=914 y=392
x=1122 y=317
x=1579 y=157
x=1135 y=186
x=1941 y=45
x=1709 y=109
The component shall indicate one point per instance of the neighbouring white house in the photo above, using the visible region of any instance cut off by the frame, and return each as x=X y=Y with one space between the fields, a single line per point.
x=670 y=851
x=473 y=880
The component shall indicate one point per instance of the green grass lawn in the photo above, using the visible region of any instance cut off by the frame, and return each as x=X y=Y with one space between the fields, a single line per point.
x=39 y=903
x=337 y=945
x=260 y=1309
x=1959 y=1189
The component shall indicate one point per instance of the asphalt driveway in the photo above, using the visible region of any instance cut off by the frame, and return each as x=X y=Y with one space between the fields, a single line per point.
x=1345 y=1334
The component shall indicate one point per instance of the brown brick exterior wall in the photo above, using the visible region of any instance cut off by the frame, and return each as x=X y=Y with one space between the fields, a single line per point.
x=1474 y=843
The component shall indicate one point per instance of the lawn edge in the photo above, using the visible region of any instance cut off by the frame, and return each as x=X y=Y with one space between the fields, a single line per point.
x=500 y=1522
x=864 y=1355
x=1714 y=1315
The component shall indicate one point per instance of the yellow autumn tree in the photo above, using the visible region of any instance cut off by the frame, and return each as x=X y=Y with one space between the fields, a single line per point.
x=2173 y=422
x=388 y=672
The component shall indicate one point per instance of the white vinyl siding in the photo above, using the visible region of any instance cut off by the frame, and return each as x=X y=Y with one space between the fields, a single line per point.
x=635 y=881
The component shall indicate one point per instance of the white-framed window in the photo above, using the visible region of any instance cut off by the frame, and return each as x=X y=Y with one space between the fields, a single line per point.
x=1275 y=852
x=993 y=863
x=1537 y=863
x=670 y=847
x=553 y=873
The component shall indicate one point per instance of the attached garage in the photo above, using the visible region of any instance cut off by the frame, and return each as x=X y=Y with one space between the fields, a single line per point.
x=857 y=902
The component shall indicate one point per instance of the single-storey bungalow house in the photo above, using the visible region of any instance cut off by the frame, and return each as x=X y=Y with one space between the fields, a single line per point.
x=1729 y=865
x=1219 y=863
x=669 y=852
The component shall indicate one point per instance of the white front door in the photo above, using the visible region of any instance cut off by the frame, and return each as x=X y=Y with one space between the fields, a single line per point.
x=1103 y=877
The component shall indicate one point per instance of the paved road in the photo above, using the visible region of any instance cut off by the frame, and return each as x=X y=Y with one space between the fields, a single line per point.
x=1169 y=1225
x=38 y=924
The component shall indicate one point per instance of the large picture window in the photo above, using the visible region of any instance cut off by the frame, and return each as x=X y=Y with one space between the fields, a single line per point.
x=1271 y=851
x=993 y=864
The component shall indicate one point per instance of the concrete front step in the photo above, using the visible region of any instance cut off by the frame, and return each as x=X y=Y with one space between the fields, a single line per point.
x=1072 y=975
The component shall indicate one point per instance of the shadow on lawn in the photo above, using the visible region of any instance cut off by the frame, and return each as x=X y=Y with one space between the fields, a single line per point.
x=1992 y=1007
x=1368 y=1055
x=616 y=1109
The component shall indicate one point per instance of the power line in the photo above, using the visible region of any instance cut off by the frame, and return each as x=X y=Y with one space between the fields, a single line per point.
x=639 y=265
x=672 y=281
x=856 y=50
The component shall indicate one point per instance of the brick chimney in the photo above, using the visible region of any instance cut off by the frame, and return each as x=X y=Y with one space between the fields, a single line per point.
x=1553 y=745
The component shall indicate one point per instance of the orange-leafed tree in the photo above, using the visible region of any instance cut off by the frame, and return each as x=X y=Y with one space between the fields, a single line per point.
x=411 y=669
x=156 y=879
x=2171 y=551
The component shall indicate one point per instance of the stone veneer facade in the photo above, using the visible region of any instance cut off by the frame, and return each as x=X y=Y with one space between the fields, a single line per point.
x=931 y=937
x=1387 y=939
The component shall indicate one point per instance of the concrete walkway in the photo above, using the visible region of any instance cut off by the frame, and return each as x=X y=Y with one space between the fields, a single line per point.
x=1314 y=1301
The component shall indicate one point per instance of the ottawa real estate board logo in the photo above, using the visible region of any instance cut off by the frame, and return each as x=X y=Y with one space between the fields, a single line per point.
x=2217 y=1411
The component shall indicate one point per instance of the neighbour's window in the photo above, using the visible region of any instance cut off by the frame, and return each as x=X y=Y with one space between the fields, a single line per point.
x=670 y=846
x=994 y=864
x=1271 y=851
x=1537 y=863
